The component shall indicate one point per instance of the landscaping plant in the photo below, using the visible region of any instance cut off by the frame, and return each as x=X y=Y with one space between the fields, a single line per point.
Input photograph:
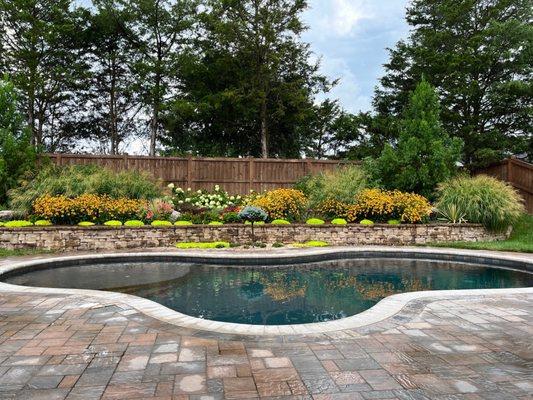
x=286 y=204
x=481 y=199
x=81 y=180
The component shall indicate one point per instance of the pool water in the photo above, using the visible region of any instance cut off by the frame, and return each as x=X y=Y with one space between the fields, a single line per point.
x=304 y=293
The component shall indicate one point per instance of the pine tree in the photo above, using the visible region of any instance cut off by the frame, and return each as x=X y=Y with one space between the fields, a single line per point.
x=478 y=56
x=424 y=155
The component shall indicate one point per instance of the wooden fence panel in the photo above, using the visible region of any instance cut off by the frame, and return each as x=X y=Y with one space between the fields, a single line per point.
x=236 y=175
x=517 y=173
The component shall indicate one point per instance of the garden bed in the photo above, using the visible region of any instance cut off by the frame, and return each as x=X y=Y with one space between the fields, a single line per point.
x=75 y=238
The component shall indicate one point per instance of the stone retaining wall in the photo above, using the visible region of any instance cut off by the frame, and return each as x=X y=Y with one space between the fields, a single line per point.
x=73 y=238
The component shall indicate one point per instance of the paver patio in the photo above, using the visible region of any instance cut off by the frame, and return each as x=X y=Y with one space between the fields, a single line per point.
x=75 y=347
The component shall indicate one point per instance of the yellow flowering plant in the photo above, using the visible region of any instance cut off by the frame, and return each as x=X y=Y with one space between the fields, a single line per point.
x=380 y=205
x=287 y=204
x=87 y=207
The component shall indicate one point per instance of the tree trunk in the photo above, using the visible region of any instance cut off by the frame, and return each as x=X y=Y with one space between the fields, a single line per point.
x=264 y=129
x=153 y=128
x=112 y=112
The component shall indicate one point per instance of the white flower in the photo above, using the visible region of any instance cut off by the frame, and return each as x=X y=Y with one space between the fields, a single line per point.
x=170 y=186
x=180 y=202
x=189 y=189
x=217 y=188
x=238 y=197
x=199 y=191
x=187 y=199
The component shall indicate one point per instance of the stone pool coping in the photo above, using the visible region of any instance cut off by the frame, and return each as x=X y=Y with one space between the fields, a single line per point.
x=386 y=308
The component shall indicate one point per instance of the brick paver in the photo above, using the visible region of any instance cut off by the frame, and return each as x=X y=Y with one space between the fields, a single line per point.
x=75 y=347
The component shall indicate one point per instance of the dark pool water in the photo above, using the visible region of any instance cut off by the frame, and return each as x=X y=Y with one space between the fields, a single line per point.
x=296 y=294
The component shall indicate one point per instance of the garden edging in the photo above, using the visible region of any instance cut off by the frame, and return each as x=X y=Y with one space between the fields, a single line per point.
x=74 y=238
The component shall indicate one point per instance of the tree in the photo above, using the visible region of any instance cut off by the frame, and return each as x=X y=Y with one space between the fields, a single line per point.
x=17 y=155
x=160 y=31
x=424 y=155
x=41 y=56
x=330 y=130
x=250 y=86
x=112 y=102
x=478 y=56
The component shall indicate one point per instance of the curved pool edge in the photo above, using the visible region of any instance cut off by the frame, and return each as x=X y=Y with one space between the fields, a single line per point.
x=386 y=308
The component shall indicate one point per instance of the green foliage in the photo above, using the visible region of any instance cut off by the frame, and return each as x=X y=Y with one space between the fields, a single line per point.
x=394 y=222
x=311 y=243
x=452 y=213
x=83 y=179
x=339 y=221
x=113 y=223
x=42 y=222
x=217 y=223
x=478 y=56
x=17 y=155
x=482 y=199
x=161 y=224
x=315 y=221
x=521 y=239
x=183 y=223
x=134 y=223
x=231 y=217
x=341 y=184
x=280 y=222
x=203 y=245
x=277 y=244
x=18 y=224
x=253 y=214
x=424 y=155
x=366 y=222
x=258 y=223
x=86 y=223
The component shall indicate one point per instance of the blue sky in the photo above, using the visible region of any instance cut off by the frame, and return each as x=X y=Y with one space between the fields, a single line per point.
x=352 y=37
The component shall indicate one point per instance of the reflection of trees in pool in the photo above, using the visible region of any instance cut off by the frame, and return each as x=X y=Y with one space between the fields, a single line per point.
x=282 y=286
x=374 y=290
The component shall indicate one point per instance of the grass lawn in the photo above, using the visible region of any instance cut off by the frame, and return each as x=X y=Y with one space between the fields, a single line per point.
x=21 y=252
x=521 y=239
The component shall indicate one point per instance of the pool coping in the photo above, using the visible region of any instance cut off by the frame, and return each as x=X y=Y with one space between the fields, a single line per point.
x=386 y=308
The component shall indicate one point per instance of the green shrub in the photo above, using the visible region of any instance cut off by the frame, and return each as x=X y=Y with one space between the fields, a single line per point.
x=424 y=154
x=255 y=223
x=202 y=245
x=134 y=223
x=231 y=217
x=18 y=224
x=183 y=223
x=315 y=221
x=341 y=184
x=278 y=244
x=113 y=223
x=482 y=199
x=1 y=224
x=280 y=222
x=311 y=243
x=77 y=180
x=339 y=221
x=17 y=155
x=366 y=222
x=393 y=222
x=216 y=223
x=159 y=223
x=42 y=222
x=86 y=223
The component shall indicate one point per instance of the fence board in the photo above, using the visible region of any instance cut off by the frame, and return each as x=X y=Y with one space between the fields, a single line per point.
x=236 y=175
x=517 y=173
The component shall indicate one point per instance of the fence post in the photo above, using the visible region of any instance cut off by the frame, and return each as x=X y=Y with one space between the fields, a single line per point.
x=189 y=171
x=509 y=170
x=125 y=161
x=251 y=173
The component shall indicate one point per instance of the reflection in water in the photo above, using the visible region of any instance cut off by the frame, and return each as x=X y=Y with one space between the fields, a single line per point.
x=302 y=293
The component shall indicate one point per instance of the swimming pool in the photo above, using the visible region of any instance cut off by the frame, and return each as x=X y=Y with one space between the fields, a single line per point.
x=284 y=294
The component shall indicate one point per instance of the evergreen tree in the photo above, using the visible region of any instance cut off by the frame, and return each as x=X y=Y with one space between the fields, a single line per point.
x=160 y=31
x=249 y=89
x=424 y=155
x=17 y=155
x=41 y=55
x=478 y=55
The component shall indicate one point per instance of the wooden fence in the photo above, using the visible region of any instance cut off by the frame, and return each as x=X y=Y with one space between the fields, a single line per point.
x=518 y=173
x=236 y=175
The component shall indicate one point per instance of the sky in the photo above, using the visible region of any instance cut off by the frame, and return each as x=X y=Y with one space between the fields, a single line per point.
x=351 y=36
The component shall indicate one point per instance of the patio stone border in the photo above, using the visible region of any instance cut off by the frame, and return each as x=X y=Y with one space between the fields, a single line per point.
x=386 y=308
